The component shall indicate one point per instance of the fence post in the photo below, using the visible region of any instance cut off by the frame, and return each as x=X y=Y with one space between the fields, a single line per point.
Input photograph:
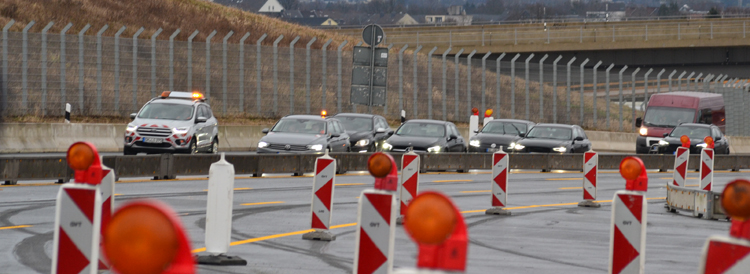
x=385 y=106
x=645 y=87
x=307 y=75
x=554 y=88
x=632 y=103
x=258 y=75
x=606 y=96
x=484 y=78
x=515 y=36
x=171 y=58
x=541 y=87
x=595 y=93
x=613 y=33
x=695 y=83
x=678 y=32
x=456 y=117
x=224 y=71
x=81 y=67
x=338 y=96
x=276 y=74
x=135 y=69
x=208 y=64
x=512 y=86
x=712 y=30
x=581 y=28
x=44 y=67
x=716 y=82
x=63 y=63
x=670 y=79
x=99 y=69
x=190 y=61
x=581 y=84
x=291 y=74
x=324 y=74
x=567 y=100
x=429 y=83
x=25 y=67
x=646 y=32
x=528 y=59
x=5 y=63
x=414 y=86
x=468 y=80
x=445 y=82
x=658 y=81
x=498 y=82
x=620 y=100
x=242 y=72
x=153 y=62
x=679 y=80
x=688 y=80
x=401 y=78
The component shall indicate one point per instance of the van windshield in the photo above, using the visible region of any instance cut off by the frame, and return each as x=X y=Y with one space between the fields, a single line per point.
x=668 y=116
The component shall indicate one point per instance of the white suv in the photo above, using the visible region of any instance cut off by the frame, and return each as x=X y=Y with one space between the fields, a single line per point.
x=175 y=122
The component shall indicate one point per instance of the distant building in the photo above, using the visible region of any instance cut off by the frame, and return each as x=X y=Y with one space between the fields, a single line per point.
x=456 y=15
x=400 y=19
x=291 y=14
x=604 y=16
x=312 y=22
x=271 y=7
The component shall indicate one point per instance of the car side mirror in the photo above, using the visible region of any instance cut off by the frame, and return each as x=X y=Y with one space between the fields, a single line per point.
x=265 y=131
x=390 y=133
x=718 y=138
x=666 y=134
x=132 y=116
x=476 y=131
x=522 y=135
x=200 y=120
x=452 y=137
x=579 y=138
x=638 y=122
x=335 y=135
x=380 y=130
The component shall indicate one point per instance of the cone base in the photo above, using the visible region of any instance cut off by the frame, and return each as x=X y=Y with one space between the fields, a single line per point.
x=319 y=235
x=497 y=211
x=589 y=203
x=221 y=259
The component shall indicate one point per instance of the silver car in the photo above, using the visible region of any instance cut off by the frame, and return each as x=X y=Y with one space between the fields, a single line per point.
x=175 y=122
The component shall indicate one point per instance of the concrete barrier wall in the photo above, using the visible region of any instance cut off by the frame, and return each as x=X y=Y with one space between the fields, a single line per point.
x=35 y=138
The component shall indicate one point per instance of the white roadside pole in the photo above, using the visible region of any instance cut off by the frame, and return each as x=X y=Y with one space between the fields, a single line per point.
x=473 y=122
x=590 y=179
x=321 y=205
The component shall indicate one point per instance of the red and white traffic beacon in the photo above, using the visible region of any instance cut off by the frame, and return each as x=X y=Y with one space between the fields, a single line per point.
x=681 y=161
x=78 y=214
x=321 y=205
x=707 y=164
x=487 y=117
x=409 y=183
x=376 y=219
x=146 y=237
x=722 y=254
x=590 y=179
x=438 y=228
x=474 y=122
x=627 y=243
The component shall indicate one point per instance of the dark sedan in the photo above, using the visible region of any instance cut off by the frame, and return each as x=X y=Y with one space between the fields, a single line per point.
x=697 y=133
x=367 y=132
x=553 y=138
x=303 y=134
x=499 y=133
x=431 y=136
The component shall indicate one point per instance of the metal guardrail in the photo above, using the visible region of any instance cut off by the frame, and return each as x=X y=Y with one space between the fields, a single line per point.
x=168 y=166
x=701 y=203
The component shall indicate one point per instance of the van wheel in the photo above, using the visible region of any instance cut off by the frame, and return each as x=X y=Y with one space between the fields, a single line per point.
x=215 y=146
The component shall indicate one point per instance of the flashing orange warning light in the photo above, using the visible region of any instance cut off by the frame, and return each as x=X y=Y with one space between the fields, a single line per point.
x=709 y=142
x=197 y=95
x=474 y=111
x=430 y=218
x=146 y=237
x=685 y=141
x=488 y=113
x=736 y=199
x=634 y=172
x=379 y=165
x=83 y=158
x=165 y=94
x=323 y=114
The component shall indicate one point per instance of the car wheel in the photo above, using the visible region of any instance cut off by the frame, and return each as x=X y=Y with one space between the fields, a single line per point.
x=128 y=151
x=193 y=147
x=215 y=146
x=727 y=151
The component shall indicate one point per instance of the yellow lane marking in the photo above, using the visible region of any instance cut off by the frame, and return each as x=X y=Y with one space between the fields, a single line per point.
x=237 y=188
x=576 y=187
x=691 y=185
x=352 y=184
x=14 y=227
x=475 y=191
x=37 y=184
x=564 y=179
x=551 y=205
x=356 y=197
x=263 y=203
x=117 y=194
x=451 y=181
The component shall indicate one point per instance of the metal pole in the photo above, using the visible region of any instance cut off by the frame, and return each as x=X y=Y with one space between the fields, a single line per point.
x=455 y=101
x=613 y=33
x=581 y=84
x=606 y=96
x=567 y=100
x=695 y=84
x=291 y=74
x=276 y=74
x=513 y=86
x=632 y=103
x=688 y=80
x=224 y=71
x=44 y=67
x=134 y=107
x=63 y=63
x=595 y=93
x=541 y=87
x=258 y=75
x=401 y=78
x=445 y=82
x=468 y=80
x=171 y=58
x=645 y=87
x=5 y=63
x=99 y=69
x=528 y=59
x=429 y=83
x=208 y=64
x=498 y=83
x=658 y=81
x=484 y=76
x=679 y=80
x=620 y=100
x=670 y=79
x=153 y=62
x=324 y=74
x=25 y=67
x=414 y=86
x=307 y=75
x=338 y=75
x=81 y=67
x=678 y=32
x=554 y=88
x=190 y=61
x=242 y=72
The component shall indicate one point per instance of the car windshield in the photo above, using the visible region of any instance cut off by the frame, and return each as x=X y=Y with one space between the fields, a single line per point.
x=504 y=128
x=166 y=111
x=667 y=116
x=356 y=124
x=304 y=126
x=558 y=133
x=422 y=130
x=692 y=132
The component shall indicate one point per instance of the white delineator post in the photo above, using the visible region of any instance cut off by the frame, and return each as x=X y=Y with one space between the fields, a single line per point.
x=707 y=169
x=67 y=113
x=409 y=183
x=473 y=122
x=499 y=194
x=219 y=215
x=628 y=228
x=590 y=179
x=403 y=116
x=322 y=199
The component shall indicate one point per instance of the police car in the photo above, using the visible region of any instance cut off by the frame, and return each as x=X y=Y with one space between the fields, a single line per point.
x=175 y=122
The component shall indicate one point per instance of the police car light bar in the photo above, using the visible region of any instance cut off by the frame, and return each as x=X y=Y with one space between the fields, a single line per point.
x=182 y=95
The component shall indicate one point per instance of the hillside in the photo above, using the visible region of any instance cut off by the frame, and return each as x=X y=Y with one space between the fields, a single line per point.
x=187 y=15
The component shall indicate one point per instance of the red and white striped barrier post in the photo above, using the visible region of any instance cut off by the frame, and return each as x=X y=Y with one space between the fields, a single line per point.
x=376 y=221
x=627 y=245
x=681 y=162
x=722 y=254
x=499 y=184
x=707 y=164
x=590 y=179
x=219 y=215
x=487 y=117
x=78 y=214
x=473 y=122
x=107 y=188
x=322 y=199
x=409 y=183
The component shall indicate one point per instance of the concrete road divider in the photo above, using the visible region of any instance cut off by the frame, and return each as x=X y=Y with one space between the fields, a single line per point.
x=321 y=206
x=219 y=215
x=499 y=195
x=590 y=179
x=627 y=244
x=409 y=183
x=722 y=254
x=700 y=203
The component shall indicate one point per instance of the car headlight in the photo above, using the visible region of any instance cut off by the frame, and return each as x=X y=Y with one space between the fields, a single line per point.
x=517 y=146
x=703 y=145
x=131 y=128
x=643 y=131
x=434 y=149
x=475 y=143
x=180 y=130
x=663 y=143
x=560 y=149
x=317 y=147
x=387 y=146
x=262 y=144
x=363 y=142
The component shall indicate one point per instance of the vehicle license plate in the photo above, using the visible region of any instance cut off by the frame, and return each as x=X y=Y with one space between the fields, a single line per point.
x=152 y=140
x=496 y=149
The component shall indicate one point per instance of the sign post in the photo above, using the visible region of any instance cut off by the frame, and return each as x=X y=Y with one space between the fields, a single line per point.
x=369 y=70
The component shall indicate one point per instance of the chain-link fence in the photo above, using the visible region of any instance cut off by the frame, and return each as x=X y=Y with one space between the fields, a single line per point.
x=115 y=76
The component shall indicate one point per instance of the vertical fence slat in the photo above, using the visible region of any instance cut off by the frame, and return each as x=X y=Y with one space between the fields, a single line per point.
x=81 y=67
x=44 y=67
